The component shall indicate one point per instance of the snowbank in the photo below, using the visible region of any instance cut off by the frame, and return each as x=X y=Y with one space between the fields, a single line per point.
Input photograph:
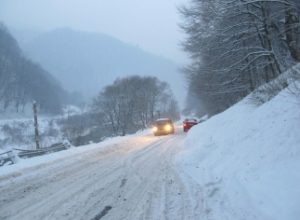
x=64 y=158
x=248 y=159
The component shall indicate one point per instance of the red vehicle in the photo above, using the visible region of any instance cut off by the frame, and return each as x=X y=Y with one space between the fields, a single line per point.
x=188 y=123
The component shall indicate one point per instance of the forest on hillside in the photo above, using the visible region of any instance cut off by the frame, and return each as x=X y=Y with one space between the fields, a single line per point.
x=235 y=47
x=87 y=61
x=22 y=81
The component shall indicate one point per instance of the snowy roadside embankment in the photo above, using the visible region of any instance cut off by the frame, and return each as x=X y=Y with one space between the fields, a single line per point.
x=248 y=159
x=65 y=157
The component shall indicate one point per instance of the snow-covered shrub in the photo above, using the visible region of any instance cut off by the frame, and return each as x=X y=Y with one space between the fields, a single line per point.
x=16 y=133
x=20 y=133
x=295 y=83
x=75 y=126
x=268 y=91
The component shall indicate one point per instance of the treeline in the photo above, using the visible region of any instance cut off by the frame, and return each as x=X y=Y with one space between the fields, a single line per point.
x=133 y=103
x=237 y=46
x=22 y=81
x=127 y=105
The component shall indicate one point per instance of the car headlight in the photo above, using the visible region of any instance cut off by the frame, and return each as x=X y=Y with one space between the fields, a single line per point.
x=154 y=129
x=168 y=127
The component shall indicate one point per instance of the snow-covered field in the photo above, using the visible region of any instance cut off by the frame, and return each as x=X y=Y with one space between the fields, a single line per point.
x=241 y=164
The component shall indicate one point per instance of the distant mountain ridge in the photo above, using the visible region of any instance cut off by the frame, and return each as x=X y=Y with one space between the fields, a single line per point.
x=86 y=62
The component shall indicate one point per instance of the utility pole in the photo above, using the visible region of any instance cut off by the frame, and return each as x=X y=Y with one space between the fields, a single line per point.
x=36 y=126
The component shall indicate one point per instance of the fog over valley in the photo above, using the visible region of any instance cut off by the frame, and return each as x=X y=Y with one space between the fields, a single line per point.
x=86 y=46
x=86 y=62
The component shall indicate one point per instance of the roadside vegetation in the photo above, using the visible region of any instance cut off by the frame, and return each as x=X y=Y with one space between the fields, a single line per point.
x=127 y=105
x=235 y=47
x=133 y=103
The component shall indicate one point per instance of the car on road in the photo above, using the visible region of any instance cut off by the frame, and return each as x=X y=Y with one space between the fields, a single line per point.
x=188 y=123
x=163 y=126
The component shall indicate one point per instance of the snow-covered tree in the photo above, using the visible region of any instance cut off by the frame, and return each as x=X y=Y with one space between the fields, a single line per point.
x=236 y=46
x=130 y=103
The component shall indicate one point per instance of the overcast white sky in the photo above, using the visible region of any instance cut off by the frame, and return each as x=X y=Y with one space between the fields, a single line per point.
x=150 y=24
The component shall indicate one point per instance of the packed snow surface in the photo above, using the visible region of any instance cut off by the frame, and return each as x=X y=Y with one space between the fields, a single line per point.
x=241 y=164
x=132 y=177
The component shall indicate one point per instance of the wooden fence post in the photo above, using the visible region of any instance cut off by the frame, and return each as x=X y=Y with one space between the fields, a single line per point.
x=36 y=126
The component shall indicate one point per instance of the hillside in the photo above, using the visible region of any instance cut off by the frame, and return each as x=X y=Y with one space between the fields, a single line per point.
x=247 y=159
x=23 y=81
x=86 y=62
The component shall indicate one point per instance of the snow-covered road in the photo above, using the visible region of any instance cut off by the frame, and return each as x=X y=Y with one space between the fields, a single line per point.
x=137 y=179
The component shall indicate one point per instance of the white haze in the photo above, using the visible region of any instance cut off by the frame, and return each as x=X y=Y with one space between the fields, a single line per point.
x=149 y=25
x=152 y=25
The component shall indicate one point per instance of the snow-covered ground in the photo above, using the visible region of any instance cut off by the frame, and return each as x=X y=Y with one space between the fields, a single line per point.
x=241 y=164
x=132 y=177
x=17 y=130
x=247 y=160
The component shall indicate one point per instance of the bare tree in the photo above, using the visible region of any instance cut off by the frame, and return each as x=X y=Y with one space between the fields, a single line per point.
x=130 y=103
x=236 y=46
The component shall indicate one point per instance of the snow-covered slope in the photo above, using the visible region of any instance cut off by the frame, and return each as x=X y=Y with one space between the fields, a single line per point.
x=248 y=160
x=241 y=164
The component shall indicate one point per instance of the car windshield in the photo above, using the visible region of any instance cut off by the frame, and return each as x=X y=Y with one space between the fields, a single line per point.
x=190 y=120
x=161 y=122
